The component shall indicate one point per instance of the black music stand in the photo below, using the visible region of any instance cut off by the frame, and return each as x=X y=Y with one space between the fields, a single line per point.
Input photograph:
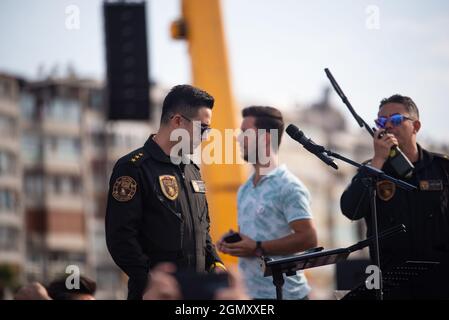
x=394 y=281
x=317 y=258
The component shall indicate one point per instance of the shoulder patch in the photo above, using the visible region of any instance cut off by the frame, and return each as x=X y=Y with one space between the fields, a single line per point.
x=124 y=188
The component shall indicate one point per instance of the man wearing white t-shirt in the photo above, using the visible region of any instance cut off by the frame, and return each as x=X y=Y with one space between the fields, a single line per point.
x=274 y=214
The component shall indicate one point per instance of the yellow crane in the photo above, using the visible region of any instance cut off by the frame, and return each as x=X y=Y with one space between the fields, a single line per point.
x=201 y=25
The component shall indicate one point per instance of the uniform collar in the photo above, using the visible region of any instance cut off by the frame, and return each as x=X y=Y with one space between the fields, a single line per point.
x=425 y=157
x=156 y=152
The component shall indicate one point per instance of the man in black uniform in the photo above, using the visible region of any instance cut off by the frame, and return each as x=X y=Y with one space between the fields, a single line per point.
x=157 y=209
x=424 y=212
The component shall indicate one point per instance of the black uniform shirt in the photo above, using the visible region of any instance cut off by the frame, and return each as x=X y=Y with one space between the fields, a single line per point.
x=157 y=211
x=424 y=212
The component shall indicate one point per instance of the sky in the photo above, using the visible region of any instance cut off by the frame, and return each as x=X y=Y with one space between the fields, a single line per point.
x=277 y=49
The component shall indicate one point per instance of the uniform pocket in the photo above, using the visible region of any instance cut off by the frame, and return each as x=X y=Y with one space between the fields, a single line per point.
x=168 y=207
x=163 y=227
x=164 y=202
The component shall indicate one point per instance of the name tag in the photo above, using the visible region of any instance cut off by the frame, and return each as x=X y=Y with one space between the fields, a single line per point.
x=431 y=185
x=198 y=186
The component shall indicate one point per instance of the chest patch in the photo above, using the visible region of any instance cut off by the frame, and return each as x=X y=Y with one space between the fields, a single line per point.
x=386 y=190
x=169 y=186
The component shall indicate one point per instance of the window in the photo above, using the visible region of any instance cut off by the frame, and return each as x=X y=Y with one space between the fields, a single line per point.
x=63 y=110
x=8 y=126
x=53 y=184
x=67 y=257
x=64 y=185
x=69 y=147
x=63 y=148
x=5 y=89
x=8 y=200
x=96 y=100
x=34 y=184
x=122 y=140
x=98 y=140
x=75 y=185
x=30 y=147
x=9 y=238
x=7 y=163
x=28 y=106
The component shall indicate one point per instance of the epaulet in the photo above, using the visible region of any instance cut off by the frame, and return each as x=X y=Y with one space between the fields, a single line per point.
x=136 y=157
x=441 y=156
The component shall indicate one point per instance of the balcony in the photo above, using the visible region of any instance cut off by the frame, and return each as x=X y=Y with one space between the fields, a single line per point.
x=55 y=165
x=11 y=180
x=9 y=107
x=53 y=127
x=66 y=242
x=11 y=218
x=69 y=202
x=11 y=144
x=12 y=257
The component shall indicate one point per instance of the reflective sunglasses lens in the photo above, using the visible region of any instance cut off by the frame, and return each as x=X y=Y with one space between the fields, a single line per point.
x=396 y=119
x=380 y=122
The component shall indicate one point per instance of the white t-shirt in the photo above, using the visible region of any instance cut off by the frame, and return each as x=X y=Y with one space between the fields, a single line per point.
x=264 y=213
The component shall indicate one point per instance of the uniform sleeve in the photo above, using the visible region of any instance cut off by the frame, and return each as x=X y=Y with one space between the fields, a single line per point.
x=123 y=217
x=211 y=253
x=295 y=204
x=354 y=201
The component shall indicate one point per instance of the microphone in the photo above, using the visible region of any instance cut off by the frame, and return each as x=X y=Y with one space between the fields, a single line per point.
x=299 y=136
x=399 y=161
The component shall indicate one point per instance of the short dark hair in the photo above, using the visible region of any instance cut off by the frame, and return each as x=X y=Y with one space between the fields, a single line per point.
x=267 y=118
x=408 y=103
x=185 y=99
x=57 y=290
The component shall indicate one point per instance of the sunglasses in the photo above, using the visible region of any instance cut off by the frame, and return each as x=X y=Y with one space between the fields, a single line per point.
x=204 y=127
x=395 y=119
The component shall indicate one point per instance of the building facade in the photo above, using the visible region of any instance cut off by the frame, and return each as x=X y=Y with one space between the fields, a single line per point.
x=57 y=149
x=12 y=240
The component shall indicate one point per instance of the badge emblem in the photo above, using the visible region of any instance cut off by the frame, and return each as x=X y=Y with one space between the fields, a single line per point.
x=386 y=190
x=424 y=185
x=124 y=188
x=169 y=186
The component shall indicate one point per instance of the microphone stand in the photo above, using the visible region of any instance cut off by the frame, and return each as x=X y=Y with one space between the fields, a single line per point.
x=373 y=176
x=401 y=164
x=362 y=123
